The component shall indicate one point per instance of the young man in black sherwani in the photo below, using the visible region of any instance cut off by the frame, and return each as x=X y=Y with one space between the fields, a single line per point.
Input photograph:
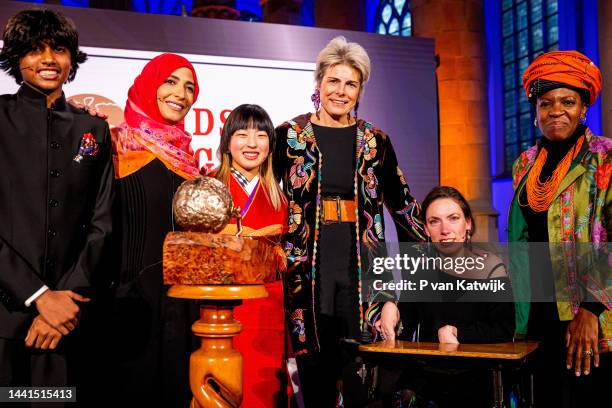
x=56 y=178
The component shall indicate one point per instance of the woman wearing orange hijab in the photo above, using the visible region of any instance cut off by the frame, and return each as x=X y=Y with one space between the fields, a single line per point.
x=152 y=157
x=563 y=201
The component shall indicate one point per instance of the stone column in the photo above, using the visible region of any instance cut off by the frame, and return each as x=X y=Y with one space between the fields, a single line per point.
x=221 y=9
x=458 y=29
x=105 y=4
x=340 y=14
x=281 y=11
x=604 y=13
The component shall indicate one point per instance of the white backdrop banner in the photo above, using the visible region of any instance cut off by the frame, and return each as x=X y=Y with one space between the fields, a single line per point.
x=282 y=88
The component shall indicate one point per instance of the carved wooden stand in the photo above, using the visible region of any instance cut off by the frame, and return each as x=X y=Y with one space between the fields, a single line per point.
x=215 y=369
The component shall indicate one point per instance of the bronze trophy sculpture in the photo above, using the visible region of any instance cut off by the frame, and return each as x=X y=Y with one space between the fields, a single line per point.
x=220 y=271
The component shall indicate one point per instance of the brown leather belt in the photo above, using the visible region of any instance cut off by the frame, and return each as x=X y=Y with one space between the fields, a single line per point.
x=336 y=210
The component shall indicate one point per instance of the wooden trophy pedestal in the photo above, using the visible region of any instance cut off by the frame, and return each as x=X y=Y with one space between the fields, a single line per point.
x=219 y=271
x=215 y=369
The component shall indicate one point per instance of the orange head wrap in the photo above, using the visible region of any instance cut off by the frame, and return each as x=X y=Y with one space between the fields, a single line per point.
x=566 y=67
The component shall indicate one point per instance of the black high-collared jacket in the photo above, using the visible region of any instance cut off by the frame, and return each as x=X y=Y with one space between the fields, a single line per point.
x=55 y=212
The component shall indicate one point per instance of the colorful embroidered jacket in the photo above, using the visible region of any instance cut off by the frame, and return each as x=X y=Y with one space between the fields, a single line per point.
x=580 y=213
x=378 y=181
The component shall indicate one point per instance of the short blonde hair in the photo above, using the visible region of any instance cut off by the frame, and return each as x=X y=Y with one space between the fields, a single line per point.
x=340 y=51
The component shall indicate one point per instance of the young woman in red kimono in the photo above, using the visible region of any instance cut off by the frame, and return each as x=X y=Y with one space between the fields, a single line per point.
x=245 y=152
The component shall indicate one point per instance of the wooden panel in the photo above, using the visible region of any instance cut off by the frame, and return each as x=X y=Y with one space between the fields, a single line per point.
x=218 y=292
x=197 y=258
x=505 y=351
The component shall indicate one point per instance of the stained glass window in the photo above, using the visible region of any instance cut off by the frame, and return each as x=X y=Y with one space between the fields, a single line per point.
x=529 y=28
x=393 y=17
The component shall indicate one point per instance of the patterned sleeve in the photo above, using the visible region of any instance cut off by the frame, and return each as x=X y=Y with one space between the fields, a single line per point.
x=607 y=174
x=402 y=206
x=515 y=172
x=522 y=165
x=279 y=158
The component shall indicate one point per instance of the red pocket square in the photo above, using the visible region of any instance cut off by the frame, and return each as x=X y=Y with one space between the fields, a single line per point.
x=88 y=147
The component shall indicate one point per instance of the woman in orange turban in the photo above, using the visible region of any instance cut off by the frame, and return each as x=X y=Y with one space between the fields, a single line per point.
x=562 y=196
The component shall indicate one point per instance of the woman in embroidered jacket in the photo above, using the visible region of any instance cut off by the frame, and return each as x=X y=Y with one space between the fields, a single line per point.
x=245 y=152
x=152 y=157
x=338 y=172
x=563 y=196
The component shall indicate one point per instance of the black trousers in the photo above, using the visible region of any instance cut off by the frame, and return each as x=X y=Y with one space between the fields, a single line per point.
x=76 y=362
x=554 y=384
x=333 y=368
x=23 y=367
x=150 y=345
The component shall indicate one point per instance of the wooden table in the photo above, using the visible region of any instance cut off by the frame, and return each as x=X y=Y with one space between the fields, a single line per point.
x=497 y=354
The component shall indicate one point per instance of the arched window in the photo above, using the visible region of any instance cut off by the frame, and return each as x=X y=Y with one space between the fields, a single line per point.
x=529 y=28
x=393 y=17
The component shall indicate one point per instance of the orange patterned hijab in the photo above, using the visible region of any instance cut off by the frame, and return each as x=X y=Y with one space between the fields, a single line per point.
x=145 y=135
x=567 y=67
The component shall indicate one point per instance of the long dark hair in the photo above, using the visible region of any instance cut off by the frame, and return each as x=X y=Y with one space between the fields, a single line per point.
x=29 y=29
x=246 y=116
x=249 y=116
x=452 y=193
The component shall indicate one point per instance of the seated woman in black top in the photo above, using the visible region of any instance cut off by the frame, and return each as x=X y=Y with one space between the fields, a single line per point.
x=474 y=316
x=455 y=316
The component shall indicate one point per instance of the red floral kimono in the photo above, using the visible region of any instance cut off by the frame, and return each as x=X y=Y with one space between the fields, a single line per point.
x=262 y=340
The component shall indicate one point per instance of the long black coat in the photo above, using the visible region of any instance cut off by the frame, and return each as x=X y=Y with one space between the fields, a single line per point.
x=55 y=212
x=152 y=340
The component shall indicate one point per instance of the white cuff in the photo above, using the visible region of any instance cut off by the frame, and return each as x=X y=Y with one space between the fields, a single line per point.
x=35 y=296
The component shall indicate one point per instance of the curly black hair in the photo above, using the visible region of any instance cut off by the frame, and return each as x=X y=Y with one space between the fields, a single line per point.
x=31 y=28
